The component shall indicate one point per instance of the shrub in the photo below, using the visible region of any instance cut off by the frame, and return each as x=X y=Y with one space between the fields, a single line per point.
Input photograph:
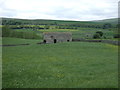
x=96 y=35
x=107 y=25
x=100 y=33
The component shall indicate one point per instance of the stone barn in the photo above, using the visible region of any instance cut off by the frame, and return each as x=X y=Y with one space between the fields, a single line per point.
x=55 y=37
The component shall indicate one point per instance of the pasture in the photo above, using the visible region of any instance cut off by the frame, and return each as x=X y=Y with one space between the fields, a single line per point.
x=76 y=33
x=8 y=40
x=60 y=65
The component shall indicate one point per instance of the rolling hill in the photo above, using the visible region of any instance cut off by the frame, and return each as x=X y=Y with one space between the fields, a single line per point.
x=113 y=21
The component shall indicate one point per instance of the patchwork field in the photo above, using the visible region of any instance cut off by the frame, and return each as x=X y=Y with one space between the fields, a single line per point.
x=76 y=33
x=60 y=65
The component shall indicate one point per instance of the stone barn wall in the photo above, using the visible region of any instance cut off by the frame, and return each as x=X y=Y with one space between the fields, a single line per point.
x=55 y=37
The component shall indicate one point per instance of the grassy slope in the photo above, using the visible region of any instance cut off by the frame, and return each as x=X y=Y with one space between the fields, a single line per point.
x=36 y=21
x=113 y=21
x=68 y=65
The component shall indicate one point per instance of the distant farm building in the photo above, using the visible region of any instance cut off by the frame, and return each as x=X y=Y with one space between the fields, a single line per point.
x=55 y=37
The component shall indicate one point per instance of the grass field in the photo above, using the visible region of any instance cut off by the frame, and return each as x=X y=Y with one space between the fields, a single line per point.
x=0 y=63
x=76 y=33
x=60 y=65
x=8 y=40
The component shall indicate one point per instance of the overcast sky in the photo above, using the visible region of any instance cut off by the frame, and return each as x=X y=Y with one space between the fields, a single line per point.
x=80 y=10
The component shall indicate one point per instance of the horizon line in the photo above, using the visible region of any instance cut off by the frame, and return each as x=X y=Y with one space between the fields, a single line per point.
x=58 y=19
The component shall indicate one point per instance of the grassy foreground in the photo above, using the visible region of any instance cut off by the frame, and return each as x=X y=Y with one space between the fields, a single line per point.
x=61 y=65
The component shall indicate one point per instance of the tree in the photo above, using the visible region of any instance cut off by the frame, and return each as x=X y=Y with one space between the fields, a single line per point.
x=107 y=25
x=96 y=36
x=100 y=33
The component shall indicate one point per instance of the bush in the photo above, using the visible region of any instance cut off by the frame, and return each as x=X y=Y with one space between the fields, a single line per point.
x=107 y=25
x=100 y=33
x=96 y=36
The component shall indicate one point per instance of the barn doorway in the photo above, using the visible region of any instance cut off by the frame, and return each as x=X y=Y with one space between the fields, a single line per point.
x=44 y=41
x=55 y=40
x=67 y=40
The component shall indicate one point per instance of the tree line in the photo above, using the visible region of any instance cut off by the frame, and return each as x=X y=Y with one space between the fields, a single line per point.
x=7 y=32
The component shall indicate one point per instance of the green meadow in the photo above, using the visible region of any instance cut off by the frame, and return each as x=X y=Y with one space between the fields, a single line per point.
x=60 y=65
x=6 y=41
x=76 y=33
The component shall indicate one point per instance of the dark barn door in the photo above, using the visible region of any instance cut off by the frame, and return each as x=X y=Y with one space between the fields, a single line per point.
x=55 y=40
x=44 y=41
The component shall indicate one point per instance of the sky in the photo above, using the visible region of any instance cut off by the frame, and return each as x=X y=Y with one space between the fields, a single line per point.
x=78 y=10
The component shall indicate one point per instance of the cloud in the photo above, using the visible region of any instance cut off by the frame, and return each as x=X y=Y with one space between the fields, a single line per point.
x=82 y=10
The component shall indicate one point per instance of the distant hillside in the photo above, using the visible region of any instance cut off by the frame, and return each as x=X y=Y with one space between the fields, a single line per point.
x=112 y=21
x=44 y=21
x=14 y=21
